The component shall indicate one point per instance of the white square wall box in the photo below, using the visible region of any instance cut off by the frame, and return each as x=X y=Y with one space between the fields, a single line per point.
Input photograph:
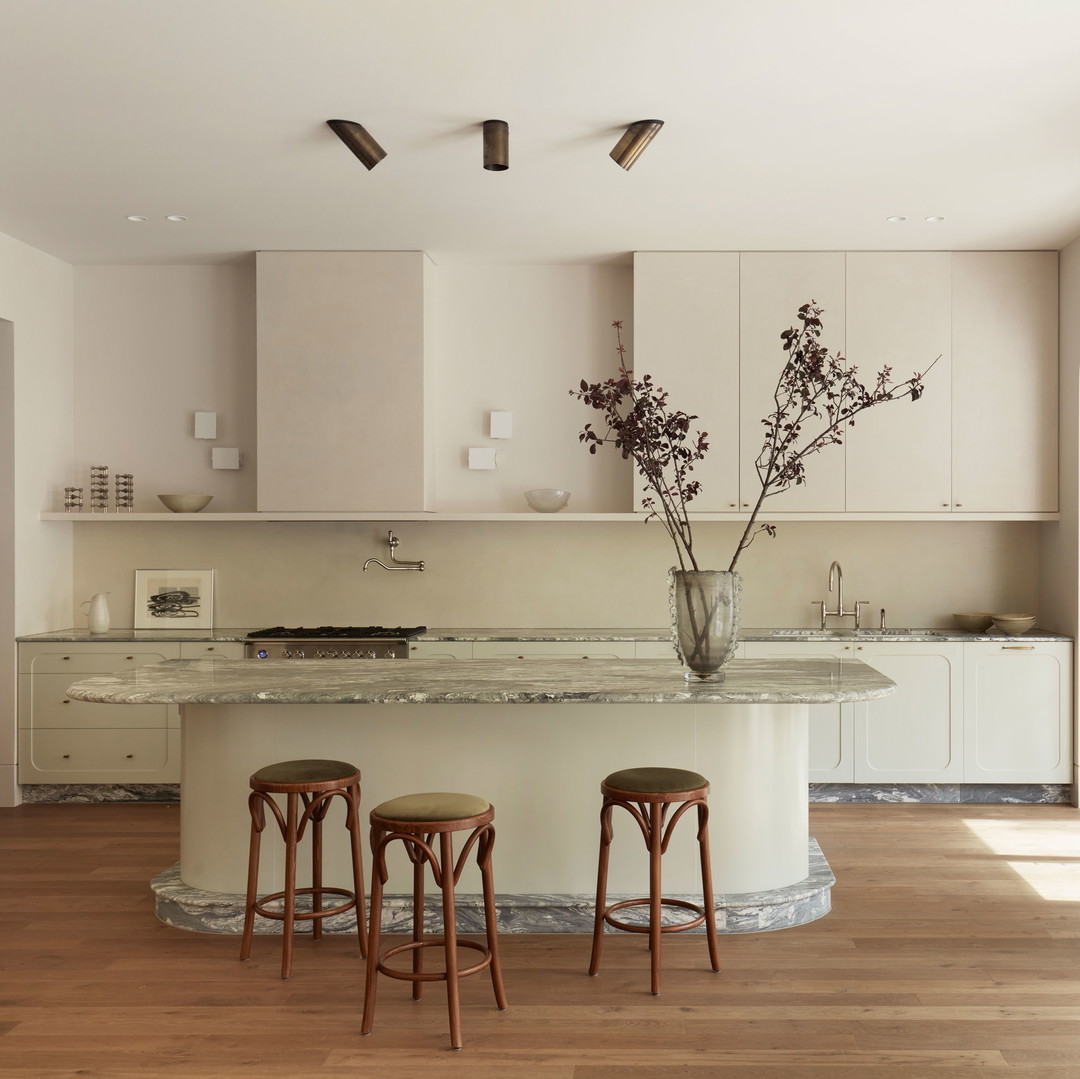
x=224 y=458
x=206 y=425
x=482 y=458
x=502 y=424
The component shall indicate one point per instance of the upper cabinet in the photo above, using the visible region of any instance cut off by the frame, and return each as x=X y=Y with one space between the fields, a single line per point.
x=982 y=439
x=1005 y=380
x=898 y=455
x=343 y=380
x=774 y=285
x=686 y=335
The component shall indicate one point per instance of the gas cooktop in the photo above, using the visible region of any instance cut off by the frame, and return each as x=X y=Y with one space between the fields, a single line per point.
x=353 y=633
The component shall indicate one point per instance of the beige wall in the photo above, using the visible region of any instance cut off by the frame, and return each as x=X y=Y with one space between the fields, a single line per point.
x=545 y=573
x=156 y=343
x=36 y=305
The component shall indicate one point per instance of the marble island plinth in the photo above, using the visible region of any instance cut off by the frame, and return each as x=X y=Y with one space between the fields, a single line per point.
x=539 y=766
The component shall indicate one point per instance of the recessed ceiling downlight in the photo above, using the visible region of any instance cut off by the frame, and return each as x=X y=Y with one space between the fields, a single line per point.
x=933 y=219
x=175 y=217
x=137 y=217
x=896 y=218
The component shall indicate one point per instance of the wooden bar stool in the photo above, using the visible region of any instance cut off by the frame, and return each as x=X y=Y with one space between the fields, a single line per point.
x=316 y=784
x=647 y=794
x=416 y=819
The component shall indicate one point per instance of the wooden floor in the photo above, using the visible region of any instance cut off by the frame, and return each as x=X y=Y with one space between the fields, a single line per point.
x=953 y=950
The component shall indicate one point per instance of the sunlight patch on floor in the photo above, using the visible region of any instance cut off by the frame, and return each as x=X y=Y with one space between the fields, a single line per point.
x=1045 y=855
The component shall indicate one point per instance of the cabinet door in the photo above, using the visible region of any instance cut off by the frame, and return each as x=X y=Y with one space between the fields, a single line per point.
x=441 y=649
x=773 y=288
x=686 y=336
x=1018 y=713
x=210 y=650
x=831 y=730
x=99 y=756
x=898 y=455
x=915 y=735
x=1005 y=380
x=342 y=423
x=553 y=650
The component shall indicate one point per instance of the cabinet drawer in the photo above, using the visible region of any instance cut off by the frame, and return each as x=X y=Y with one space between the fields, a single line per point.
x=553 y=650
x=81 y=662
x=441 y=650
x=210 y=649
x=99 y=756
x=50 y=706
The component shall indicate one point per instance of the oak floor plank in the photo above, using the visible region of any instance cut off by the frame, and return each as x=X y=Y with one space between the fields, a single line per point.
x=952 y=952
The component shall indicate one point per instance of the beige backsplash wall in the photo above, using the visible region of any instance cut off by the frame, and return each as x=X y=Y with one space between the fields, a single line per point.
x=559 y=573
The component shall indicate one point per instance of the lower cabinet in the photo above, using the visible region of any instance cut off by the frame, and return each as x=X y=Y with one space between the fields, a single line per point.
x=979 y=712
x=441 y=650
x=1017 y=713
x=66 y=741
x=553 y=650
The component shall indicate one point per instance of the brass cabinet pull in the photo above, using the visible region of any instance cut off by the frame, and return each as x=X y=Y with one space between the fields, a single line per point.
x=67 y=756
x=1018 y=648
x=130 y=755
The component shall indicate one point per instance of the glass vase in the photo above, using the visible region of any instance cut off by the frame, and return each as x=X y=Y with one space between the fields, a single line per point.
x=704 y=620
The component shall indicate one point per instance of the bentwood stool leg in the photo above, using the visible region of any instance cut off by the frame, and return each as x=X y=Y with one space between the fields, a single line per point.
x=416 y=820
x=649 y=794
x=314 y=785
x=656 y=831
x=601 y=887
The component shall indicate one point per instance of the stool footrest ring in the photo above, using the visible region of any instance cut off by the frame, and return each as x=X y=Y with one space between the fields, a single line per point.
x=682 y=904
x=436 y=976
x=305 y=915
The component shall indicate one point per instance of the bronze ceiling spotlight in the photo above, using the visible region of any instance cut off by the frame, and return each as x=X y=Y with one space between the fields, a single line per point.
x=633 y=142
x=496 y=145
x=359 y=141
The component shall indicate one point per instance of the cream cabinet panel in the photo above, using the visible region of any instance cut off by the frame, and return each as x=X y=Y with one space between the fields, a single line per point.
x=666 y=650
x=66 y=741
x=441 y=649
x=553 y=649
x=343 y=380
x=916 y=734
x=831 y=755
x=899 y=455
x=773 y=288
x=1018 y=713
x=686 y=336
x=1005 y=380
x=208 y=650
x=99 y=756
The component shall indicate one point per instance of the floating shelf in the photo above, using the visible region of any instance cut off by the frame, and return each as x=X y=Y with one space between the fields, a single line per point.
x=731 y=518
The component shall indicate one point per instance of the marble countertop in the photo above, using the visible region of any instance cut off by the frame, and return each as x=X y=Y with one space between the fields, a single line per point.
x=479 y=681
x=583 y=635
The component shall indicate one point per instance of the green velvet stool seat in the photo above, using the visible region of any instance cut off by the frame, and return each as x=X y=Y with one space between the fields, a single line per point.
x=313 y=784
x=648 y=794
x=415 y=820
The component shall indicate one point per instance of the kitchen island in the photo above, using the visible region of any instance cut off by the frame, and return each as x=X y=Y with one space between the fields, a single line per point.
x=540 y=767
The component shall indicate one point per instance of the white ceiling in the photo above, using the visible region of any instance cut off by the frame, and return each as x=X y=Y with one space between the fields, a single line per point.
x=789 y=124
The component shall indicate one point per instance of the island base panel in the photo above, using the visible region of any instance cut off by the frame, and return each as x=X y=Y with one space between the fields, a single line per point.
x=540 y=765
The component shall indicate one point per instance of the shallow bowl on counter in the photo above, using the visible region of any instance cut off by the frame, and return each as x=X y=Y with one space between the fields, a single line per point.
x=547 y=499
x=185 y=503
x=973 y=623
x=1014 y=624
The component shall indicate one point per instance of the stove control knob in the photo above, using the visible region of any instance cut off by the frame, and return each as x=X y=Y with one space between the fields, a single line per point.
x=285 y=654
x=369 y=655
x=299 y=653
x=389 y=654
x=320 y=654
x=332 y=655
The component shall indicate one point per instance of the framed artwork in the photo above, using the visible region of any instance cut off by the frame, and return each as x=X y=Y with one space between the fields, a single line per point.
x=176 y=598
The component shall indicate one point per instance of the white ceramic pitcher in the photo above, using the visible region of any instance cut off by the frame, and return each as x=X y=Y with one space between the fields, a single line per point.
x=97 y=615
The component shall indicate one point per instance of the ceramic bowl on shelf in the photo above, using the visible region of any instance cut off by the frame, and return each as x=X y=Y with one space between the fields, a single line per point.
x=547 y=499
x=1014 y=624
x=185 y=503
x=973 y=623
